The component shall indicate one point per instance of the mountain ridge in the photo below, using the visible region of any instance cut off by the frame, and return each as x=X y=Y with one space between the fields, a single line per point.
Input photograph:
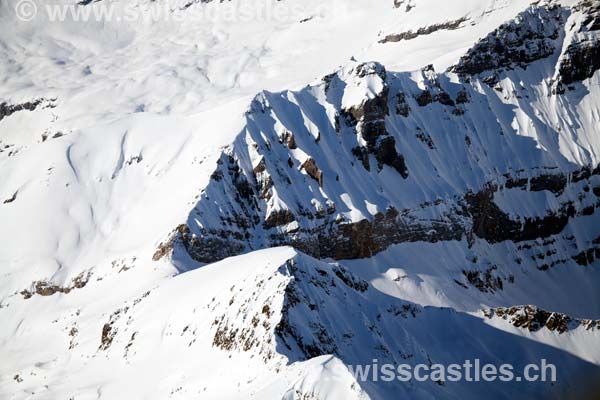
x=168 y=233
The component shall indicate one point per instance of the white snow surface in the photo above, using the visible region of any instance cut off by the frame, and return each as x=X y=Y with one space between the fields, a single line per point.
x=135 y=117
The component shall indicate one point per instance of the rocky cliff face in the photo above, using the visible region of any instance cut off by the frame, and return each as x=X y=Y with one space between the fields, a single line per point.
x=305 y=316
x=531 y=36
x=368 y=158
x=580 y=59
x=534 y=319
x=540 y=32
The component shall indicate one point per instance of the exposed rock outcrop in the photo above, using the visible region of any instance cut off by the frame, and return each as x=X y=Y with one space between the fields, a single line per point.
x=297 y=316
x=311 y=168
x=581 y=59
x=46 y=288
x=343 y=132
x=7 y=109
x=494 y=225
x=533 y=319
x=529 y=37
x=368 y=118
x=427 y=30
x=486 y=281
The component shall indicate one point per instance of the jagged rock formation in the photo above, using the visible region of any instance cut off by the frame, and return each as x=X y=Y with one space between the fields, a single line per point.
x=427 y=30
x=45 y=288
x=485 y=281
x=367 y=118
x=531 y=36
x=7 y=109
x=300 y=312
x=536 y=34
x=286 y=180
x=533 y=319
x=296 y=317
x=581 y=58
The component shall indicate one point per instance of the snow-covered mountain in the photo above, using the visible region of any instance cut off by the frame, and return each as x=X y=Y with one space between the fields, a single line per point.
x=243 y=199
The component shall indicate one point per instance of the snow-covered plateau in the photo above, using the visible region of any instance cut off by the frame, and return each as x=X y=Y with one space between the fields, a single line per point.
x=247 y=199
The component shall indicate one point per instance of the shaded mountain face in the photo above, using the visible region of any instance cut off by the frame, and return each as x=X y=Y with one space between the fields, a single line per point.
x=369 y=158
x=169 y=233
